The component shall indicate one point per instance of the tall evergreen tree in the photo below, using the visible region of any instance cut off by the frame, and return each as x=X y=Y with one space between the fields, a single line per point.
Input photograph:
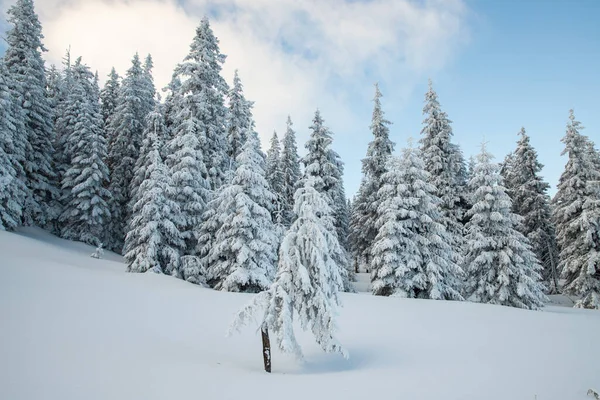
x=23 y=59
x=363 y=227
x=187 y=166
x=204 y=89
x=274 y=175
x=307 y=281
x=12 y=155
x=499 y=262
x=244 y=254
x=153 y=240
x=109 y=97
x=85 y=212
x=322 y=168
x=172 y=101
x=530 y=200
x=127 y=126
x=576 y=214
x=443 y=162
x=150 y=88
x=290 y=168
x=239 y=118
x=412 y=256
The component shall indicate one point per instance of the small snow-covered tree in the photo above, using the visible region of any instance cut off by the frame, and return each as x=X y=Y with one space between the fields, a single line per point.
x=204 y=90
x=153 y=240
x=86 y=213
x=500 y=265
x=239 y=118
x=529 y=199
x=290 y=168
x=244 y=252
x=12 y=155
x=307 y=281
x=25 y=66
x=577 y=217
x=363 y=227
x=443 y=161
x=412 y=255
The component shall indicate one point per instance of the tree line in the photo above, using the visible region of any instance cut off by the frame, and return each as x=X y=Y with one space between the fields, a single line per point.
x=180 y=186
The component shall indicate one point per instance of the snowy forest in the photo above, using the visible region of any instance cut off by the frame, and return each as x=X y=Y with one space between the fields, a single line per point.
x=176 y=181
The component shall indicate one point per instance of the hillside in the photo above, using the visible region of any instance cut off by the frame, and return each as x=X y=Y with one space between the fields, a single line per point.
x=73 y=327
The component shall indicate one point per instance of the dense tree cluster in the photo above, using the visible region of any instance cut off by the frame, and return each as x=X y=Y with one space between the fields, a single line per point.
x=182 y=187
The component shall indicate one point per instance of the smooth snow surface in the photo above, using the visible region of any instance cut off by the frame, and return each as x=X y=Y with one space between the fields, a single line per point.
x=73 y=327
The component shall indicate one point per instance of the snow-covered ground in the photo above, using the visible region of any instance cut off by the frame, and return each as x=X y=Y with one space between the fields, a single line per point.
x=73 y=327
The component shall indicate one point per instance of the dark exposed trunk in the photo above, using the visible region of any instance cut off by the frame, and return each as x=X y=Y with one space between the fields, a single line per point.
x=266 y=348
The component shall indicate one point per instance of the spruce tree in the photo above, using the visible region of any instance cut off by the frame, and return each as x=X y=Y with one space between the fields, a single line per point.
x=274 y=175
x=153 y=240
x=443 y=161
x=12 y=155
x=127 y=126
x=109 y=97
x=363 y=228
x=307 y=281
x=187 y=167
x=203 y=90
x=500 y=265
x=239 y=118
x=243 y=256
x=23 y=59
x=153 y=136
x=411 y=253
x=290 y=169
x=85 y=213
x=576 y=214
x=322 y=167
x=530 y=200
x=150 y=90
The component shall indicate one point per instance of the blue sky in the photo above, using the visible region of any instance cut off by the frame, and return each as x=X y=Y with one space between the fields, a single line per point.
x=526 y=64
x=496 y=65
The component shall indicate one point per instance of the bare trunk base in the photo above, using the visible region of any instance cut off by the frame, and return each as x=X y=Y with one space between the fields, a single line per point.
x=266 y=348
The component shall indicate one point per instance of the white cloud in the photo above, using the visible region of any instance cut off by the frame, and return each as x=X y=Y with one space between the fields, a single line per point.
x=293 y=56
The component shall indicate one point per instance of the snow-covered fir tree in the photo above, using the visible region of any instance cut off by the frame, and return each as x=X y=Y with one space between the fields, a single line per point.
x=500 y=265
x=109 y=97
x=239 y=118
x=12 y=154
x=172 y=100
x=203 y=90
x=153 y=136
x=150 y=98
x=24 y=63
x=290 y=168
x=363 y=227
x=576 y=214
x=85 y=213
x=530 y=200
x=307 y=281
x=411 y=253
x=153 y=242
x=321 y=165
x=444 y=163
x=244 y=252
x=187 y=167
x=274 y=175
x=127 y=126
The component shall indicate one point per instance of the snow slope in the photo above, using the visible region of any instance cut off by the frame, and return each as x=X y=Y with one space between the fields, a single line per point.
x=73 y=327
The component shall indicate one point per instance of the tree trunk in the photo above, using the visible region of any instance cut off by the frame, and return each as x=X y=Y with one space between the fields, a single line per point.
x=553 y=265
x=266 y=348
